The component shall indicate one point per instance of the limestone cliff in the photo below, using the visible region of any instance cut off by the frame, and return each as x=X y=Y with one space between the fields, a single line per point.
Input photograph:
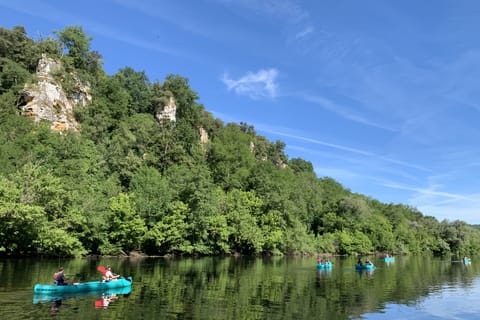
x=47 y=100
x=169 y=111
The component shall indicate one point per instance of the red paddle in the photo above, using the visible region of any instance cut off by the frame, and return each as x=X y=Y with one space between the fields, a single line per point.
x=102 y=269
x=99 y=303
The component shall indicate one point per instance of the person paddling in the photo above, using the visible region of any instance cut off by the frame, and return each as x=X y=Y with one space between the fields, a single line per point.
x=108 y=276
x=59 y=278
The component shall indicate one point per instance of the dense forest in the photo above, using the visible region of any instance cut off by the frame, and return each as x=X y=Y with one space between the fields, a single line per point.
x=127 y=182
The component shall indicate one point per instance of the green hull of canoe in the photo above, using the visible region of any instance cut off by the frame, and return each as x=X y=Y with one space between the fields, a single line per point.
x=83 y=286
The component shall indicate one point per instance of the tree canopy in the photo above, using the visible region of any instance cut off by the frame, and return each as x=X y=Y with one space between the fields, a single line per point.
x=129 y=182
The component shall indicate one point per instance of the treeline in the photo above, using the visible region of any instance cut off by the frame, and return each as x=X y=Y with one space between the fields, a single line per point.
x=129 y=182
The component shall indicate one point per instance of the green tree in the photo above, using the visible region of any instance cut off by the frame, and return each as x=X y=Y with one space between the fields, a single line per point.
x=126 y=228
x=77 y=46
x=185 y=98
x=139 y=89
x=231 y=158
x=152 y=195
x=169 y=234
x=243 y=209
x=12 y=75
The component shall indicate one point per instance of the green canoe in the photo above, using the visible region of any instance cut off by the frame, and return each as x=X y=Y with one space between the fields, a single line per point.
x=83 y=286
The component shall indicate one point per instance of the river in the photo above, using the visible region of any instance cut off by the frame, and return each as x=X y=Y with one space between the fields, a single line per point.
x=249 y=288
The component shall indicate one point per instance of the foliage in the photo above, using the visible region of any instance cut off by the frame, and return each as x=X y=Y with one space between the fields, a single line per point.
x=125 y=227
x=128 y=181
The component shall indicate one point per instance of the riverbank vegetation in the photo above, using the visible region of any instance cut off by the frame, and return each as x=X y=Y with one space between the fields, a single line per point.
x=127 y=181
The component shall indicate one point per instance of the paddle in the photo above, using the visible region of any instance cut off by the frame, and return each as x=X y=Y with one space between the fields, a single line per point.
x=103 y=270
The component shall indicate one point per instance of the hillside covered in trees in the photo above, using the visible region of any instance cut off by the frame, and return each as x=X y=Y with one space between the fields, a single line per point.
x=127 y=180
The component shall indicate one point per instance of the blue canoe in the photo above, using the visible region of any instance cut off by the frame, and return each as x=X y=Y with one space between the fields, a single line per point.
x=467 y=261
x=83 y=286
x=365 y=266
x=389 y=259
x=54 y=296
x=327 y=265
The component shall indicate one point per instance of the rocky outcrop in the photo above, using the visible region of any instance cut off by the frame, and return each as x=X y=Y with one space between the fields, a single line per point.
x=47 y=100
x=203 y=138
x=169 y=111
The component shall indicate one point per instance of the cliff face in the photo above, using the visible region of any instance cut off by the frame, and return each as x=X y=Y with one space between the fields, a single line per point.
x=46 y=99
x=169 y=111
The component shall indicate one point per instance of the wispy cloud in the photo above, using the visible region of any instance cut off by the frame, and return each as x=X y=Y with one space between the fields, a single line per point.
x=457 y=211
x=319 y=142
x=343 y=111
x=288 y=15
x=57 y=16
x=287 y=10
x=255 y=85
x=338 y=173
x=446 y=205
x=170 y=12
x=441 y=204
x=429 y=191
x=342 y=148
x=304 y=33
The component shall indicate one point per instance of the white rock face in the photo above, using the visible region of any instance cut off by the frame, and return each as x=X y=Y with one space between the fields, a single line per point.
x=46 y=100
x=203 y=138
x=169 y=111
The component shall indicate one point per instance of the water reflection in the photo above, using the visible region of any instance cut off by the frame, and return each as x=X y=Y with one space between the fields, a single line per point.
x=254 y=288
x=55 y=307
x=105 y=298
x=363 y=272
x=322 y=275
x=46 y=297
x=455 y=303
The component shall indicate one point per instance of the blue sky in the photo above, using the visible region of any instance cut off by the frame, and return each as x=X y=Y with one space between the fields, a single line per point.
x=383 y=96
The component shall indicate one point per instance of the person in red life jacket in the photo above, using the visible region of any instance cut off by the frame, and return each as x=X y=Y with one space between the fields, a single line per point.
x=108 y=275
x=59 y=278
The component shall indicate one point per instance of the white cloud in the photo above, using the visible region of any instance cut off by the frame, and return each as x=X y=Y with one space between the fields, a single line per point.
x=304 y=33
x=255 y=85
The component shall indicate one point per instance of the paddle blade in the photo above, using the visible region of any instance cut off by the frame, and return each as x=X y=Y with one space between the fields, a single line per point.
x=99 y=303
x=101 y=269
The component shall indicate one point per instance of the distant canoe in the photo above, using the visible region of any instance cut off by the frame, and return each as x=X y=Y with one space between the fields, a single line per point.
x=389 y=259
x=83 y=286
x=467 y=261
x=365 y=266
x=327 y=265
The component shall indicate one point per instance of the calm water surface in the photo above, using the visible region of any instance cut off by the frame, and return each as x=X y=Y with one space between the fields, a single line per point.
x=249 y=288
